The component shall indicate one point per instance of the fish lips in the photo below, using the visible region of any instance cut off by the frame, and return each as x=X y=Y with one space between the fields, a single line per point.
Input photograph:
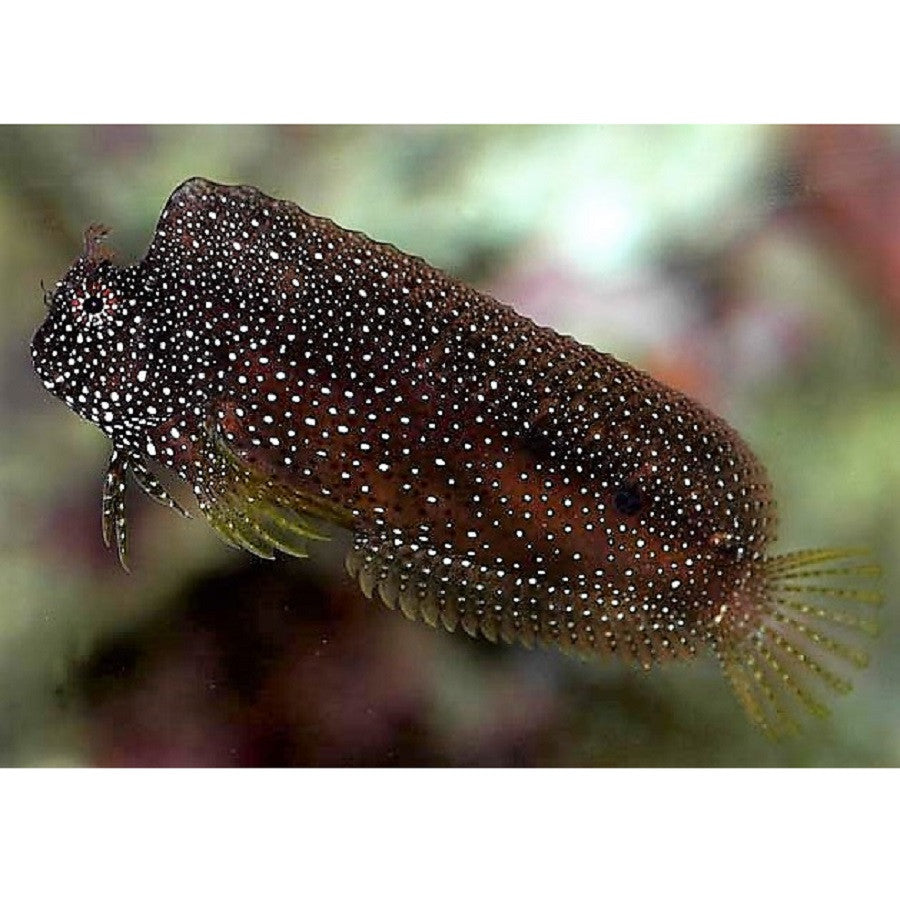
x=50 y=375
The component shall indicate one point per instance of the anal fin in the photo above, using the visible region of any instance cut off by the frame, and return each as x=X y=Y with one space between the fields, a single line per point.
x=446 y=592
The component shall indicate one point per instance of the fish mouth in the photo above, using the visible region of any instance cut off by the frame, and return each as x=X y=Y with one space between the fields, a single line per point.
x=38 y=360
x=50 y=376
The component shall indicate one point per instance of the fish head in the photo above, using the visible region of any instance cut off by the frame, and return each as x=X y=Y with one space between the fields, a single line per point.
x=89 y=350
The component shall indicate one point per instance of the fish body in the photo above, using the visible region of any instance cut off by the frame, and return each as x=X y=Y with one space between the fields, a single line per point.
x=496 y=476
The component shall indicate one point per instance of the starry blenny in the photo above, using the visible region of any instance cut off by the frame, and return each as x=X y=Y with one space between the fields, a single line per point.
x=495 y=475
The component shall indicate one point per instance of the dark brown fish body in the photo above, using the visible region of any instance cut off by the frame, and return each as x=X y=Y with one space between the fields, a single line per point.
x=496 y=475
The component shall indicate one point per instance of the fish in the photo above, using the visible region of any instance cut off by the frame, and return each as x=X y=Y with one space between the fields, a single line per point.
x=495 y=476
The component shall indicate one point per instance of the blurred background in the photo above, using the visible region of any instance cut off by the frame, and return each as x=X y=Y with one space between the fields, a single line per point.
x=757 y=269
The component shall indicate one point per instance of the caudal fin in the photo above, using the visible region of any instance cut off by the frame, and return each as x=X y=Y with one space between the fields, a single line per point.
x=818 y=605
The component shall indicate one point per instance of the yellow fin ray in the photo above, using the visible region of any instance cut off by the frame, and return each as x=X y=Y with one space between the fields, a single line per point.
x=807 y=559
x=739 y=678
x=857 y=595
x=864 y=570
x=831 y=616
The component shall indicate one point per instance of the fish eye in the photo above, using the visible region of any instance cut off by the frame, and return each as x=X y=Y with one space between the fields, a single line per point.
x=628 y=499
x=93 y=304
x=93 y=300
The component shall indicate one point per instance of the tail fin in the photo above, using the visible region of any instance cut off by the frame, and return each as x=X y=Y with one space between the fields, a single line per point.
x=813 y=597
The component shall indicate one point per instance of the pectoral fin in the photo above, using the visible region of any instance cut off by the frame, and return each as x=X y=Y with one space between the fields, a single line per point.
x=252 y=511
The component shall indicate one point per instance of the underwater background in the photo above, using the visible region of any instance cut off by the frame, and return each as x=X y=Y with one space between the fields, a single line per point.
x=755 y=268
